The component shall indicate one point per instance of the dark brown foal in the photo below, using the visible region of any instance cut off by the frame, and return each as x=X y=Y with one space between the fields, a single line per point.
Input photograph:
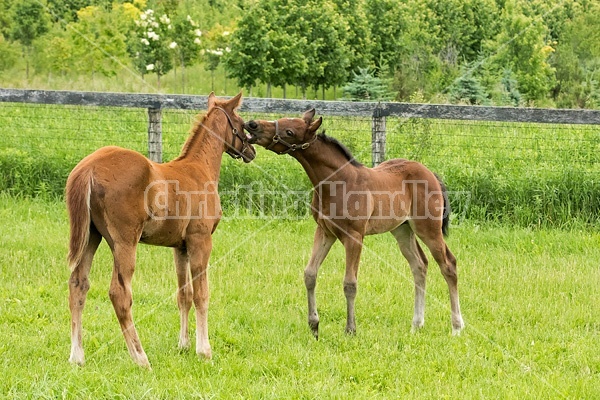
x=350 y=201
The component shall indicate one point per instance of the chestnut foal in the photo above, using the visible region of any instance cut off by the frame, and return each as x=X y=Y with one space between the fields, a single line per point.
x=350 y=201
x=121 y=196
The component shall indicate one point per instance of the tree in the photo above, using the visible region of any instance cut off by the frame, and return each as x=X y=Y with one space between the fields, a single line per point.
x=187 y=35
x=467 y=89
x=281 y=42
x=249 y=45
x=521 y=46
x=29 y=21
x=97 y=42
x=152 y=45
x=366 y=86
x=10 y=54
x=358 y=34
x=215 y=47
x=577 y=59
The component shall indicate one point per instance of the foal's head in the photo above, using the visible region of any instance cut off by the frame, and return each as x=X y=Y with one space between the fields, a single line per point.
x=235 y=141
x=286 y=134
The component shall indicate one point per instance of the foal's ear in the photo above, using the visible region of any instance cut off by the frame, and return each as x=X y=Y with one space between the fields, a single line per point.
x=315 y=125
x=309 y=115
x=211 y=99
x=236 y=101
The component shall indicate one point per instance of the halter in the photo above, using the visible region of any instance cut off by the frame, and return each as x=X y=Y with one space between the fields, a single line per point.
x=235 y=154
x=291 y=147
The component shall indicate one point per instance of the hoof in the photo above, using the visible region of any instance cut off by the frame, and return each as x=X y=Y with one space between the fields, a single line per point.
x=457 y=327
x=205 y=354
x=183 y=345
x=77 y=358
x=350 y=331
x=314 y=328
x=143 y=362
x=416 y=328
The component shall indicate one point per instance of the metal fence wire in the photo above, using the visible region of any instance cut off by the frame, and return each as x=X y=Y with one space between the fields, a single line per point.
x=532 y=172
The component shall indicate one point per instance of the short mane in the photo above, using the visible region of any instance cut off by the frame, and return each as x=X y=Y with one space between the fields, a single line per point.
x=341 y=147
x=198 y=122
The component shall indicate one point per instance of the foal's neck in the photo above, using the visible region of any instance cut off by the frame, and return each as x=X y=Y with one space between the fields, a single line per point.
x=204 y=147
x=325 y=162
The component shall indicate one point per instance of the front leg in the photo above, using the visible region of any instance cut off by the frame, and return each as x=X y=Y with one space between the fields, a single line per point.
x=353 y=244
x=184 y=294
x=321 y=246
x=199 y=248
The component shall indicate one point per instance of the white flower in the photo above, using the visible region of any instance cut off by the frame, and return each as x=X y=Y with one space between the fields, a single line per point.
x=226 y=33
x=149 y=67
x=145 y=41
x=144 y=24
x=164 y=19
x=142 y=16
x=152 y=35
x=198 y=32
x=191 y=21
x=149 y=11
x=227 y=49
x=172 y=45
x=169 y=27
x=197 y=41
x=154 y=24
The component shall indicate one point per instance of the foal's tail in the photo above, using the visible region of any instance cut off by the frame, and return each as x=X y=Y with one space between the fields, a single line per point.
x=447 y=209
x=78 y=193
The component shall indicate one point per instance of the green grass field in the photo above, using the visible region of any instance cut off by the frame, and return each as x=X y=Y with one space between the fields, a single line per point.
x=529 y=299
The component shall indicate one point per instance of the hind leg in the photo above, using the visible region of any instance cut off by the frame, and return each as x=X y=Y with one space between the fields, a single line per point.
x=353 y=244
x=122 y=299
x=78 y=288
x=434 y=240
x=417 y=260
x=184 y=295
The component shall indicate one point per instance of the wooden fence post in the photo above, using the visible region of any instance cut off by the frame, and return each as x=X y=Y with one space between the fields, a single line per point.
x=155 y=134
x=378 y=136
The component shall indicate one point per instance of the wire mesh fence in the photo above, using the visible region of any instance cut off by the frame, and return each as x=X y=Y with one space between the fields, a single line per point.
x=527 y=173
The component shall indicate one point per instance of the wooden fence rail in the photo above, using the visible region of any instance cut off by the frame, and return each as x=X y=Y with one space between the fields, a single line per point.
x=377 y=111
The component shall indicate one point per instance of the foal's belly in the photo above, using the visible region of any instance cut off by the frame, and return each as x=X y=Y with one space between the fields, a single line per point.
x=168 y=233
x=375 y=226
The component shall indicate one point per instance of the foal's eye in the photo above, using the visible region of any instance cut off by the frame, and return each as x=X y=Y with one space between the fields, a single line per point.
x=289 y=132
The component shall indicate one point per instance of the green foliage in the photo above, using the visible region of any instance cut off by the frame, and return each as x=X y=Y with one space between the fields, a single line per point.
x=280 y=42
x=521 y=46
x=29 y=21
x=188 y=39
x=577 y=59
x=466 y=89
x=366 y=86
x=422 y=45
x=99 y=45
x=153 y=45
x=10 y=54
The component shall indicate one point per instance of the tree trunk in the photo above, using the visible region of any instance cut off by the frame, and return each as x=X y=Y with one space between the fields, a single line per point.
x=269 y=90
x=284 y=91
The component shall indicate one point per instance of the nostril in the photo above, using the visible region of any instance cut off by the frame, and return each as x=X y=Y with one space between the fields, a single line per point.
x=252 y=124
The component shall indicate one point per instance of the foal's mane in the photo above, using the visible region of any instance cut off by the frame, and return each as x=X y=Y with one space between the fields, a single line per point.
x=343 y=149
x=198 y=123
